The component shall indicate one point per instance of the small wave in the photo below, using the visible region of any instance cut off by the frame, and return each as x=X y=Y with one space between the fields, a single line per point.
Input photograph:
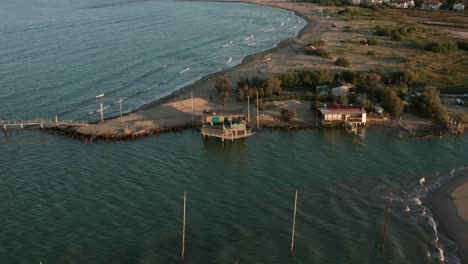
x=185 y=70
x=225 y=45
x=230 y=42
x=249 y=37
x=271 y=29
x=251 y=20
x=229 y=61
x=282 y=24
x=292 y=27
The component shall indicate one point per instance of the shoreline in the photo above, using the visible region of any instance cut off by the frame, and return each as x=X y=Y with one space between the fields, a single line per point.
x=449 y=206
x=171 y=112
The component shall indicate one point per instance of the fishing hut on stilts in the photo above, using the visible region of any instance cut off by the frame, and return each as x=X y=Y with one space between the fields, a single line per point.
x=224 y=125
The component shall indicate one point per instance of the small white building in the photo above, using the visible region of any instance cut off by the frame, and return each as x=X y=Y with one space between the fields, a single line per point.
x=431 y=5
x=459 y=7
x=340 y=115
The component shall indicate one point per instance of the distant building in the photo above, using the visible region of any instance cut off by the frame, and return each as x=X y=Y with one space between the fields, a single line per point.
x=343 y=89
x=401 y=3
x=431 y=5
x=337 y=115
x=322 y=90
x=459 y=7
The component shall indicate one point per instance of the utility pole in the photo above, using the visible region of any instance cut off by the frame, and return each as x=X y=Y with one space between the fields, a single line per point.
x=120 y=102
x=100 y=97
x=258 y=120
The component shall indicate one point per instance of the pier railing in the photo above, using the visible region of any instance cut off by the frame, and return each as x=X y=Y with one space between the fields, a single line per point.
x=41 y=123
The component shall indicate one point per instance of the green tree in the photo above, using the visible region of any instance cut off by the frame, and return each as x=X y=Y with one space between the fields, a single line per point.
x=392 y=103
x=429 y=105
x=223 y=86
x=343 y=100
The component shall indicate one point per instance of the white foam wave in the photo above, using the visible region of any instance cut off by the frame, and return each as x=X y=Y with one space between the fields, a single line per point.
x=282 y=24
x=292 y=27
x=185 y=70
x=249 y=37
x=225 y=45
x=271 y=29
x=229 y=61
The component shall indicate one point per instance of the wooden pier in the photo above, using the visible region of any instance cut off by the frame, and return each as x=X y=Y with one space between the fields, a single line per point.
x=40 y=123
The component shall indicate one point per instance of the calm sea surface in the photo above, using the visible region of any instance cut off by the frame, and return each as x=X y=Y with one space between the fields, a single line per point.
x=64 y=201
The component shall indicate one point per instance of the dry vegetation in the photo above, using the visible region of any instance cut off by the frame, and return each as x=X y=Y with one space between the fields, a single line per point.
x=445 y=70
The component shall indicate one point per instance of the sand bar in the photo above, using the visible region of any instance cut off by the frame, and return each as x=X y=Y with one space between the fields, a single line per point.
x=449 y=205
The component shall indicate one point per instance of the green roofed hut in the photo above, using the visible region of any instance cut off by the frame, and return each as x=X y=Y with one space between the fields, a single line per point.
x=224 y=125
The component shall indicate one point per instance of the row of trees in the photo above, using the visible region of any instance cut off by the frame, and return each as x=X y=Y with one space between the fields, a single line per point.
x=388 y=88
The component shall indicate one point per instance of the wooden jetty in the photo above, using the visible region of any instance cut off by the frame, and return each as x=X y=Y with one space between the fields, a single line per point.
x=223 y=125
x=40 y=123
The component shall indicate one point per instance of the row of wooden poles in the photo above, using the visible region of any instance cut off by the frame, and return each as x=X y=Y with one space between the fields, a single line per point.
x=291 y=250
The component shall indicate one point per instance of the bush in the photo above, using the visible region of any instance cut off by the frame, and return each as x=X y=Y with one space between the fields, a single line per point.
x=318 y=43
x=287 y=115
x=371 y=53
x=372 y=42
x=462 y=45
x=318 y=52
x=342 y=62
x=395 y=35
x=441 y=46
x=380 y=31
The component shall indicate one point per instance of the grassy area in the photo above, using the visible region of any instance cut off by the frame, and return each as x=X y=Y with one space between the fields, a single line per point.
x=402 y=36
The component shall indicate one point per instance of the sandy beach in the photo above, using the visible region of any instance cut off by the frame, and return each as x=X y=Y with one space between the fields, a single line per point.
x=175 y=110
x=449 y=205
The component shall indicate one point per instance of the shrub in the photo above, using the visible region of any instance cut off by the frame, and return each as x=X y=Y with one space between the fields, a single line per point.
x=395 y=35
x=462 y=45
x=318 y=43
x=380 y=31
x=440 y=46
x=342 y=62
x=287 y=115
x=371 y=53
x=372 y=42
x=319 y=52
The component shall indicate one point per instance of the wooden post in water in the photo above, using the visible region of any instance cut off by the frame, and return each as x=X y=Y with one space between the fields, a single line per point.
x=183 y=228
x=248 y=109
x=56 y=121
x=293 y=227
x=258 y=120
x=386 y=220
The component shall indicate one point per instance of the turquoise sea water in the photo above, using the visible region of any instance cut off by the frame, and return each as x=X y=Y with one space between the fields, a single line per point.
x=56 y=56
x=64 y=201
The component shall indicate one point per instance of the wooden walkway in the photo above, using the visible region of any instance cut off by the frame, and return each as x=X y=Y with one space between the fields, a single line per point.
x=40 y=123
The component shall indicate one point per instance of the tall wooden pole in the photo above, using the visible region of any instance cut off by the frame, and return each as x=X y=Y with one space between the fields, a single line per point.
x=386 y=220
x=248 y=109
x=191 y=95
x=102 y=112
x=120 y=102
x=316 y=106
x=293 y=227
x=258 y=117
x=183 y=228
